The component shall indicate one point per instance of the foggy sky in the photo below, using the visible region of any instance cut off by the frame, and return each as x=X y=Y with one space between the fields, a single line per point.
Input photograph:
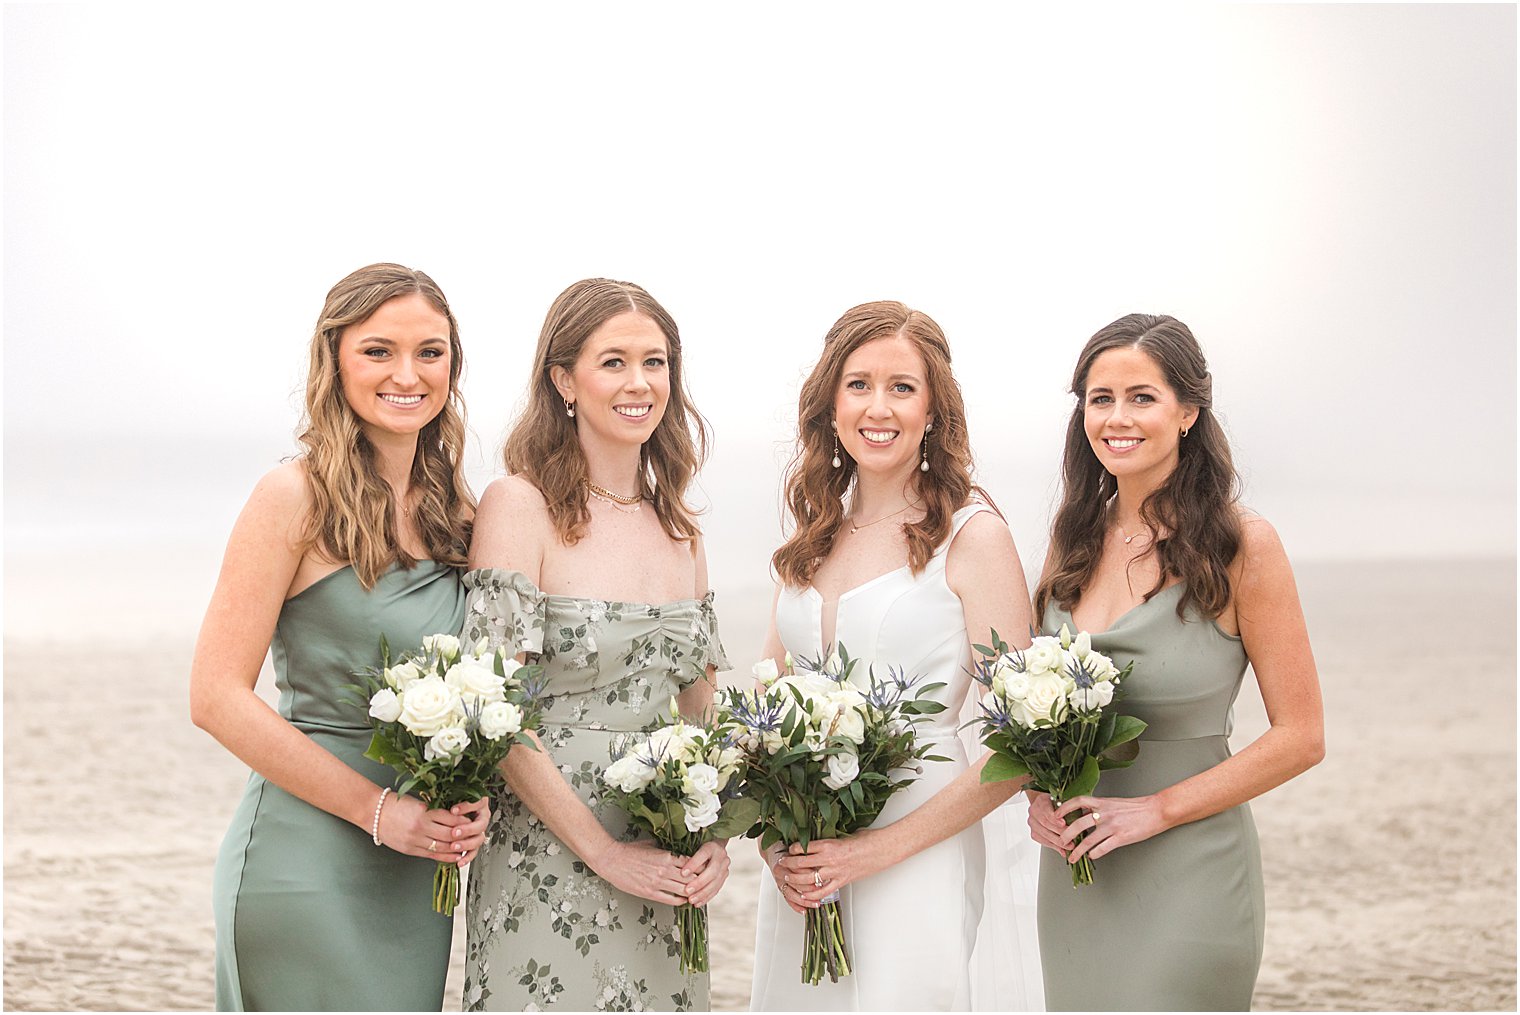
x=1324 y=194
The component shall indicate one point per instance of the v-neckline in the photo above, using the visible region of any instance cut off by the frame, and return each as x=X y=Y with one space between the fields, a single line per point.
x=1121 y=618
x=839 y=602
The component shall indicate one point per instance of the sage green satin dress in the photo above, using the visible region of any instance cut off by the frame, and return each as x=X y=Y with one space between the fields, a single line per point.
x=310 y=913
x=1173 y=923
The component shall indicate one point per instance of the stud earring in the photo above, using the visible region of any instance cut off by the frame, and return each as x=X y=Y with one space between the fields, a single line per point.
x=569 y=408
x=923 y=466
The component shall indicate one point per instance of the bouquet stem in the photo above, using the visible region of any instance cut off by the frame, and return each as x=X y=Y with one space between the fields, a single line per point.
x=1082 y=870
x=445 y=888
x=691 y=921
x=824 y=949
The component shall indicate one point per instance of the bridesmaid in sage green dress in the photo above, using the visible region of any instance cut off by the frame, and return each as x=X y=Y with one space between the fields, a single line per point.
x=588 y=558
x=1152 y=554
x=322 y=890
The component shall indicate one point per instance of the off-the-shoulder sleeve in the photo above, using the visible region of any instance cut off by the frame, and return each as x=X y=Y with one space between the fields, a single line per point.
x=711 y=645
x=506 y=609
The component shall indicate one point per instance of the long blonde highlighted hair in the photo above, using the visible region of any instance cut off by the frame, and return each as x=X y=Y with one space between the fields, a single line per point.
x=543 y=446
x=353 y=515
x=815 y=490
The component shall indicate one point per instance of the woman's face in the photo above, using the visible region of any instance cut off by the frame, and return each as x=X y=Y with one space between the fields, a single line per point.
x=395 y=365
x=1132 y=416
x=882 y=406
x=620 y=383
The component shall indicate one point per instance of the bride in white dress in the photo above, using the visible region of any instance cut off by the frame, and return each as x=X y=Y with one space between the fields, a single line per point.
x=900 y=559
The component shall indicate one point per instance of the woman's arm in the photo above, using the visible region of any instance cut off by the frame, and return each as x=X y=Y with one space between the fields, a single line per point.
x=260 y=563
x=983 y=569
x=512 y=530
x=1277 y=644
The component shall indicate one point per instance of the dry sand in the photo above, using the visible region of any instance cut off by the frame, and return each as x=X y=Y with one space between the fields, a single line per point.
x=1390 y=868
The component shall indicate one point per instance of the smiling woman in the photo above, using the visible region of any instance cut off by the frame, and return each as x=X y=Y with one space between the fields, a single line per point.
x=323 y=886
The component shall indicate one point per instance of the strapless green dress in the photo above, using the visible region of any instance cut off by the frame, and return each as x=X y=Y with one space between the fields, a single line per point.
x=1173 y=923
x=310 y=914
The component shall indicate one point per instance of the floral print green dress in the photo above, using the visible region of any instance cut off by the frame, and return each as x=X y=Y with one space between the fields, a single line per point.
x=545 y=931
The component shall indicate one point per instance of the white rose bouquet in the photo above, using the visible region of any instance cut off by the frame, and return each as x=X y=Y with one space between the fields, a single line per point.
x=680 y=782
x=1047 y=716
x=822 y=758
x=445 y=718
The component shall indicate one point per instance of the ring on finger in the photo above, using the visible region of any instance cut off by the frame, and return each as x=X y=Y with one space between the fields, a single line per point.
x=817 y=879
x=432 y=845
x=1095 y=816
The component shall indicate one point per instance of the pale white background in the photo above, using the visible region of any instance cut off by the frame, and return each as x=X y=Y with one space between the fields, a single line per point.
x=1325 y=194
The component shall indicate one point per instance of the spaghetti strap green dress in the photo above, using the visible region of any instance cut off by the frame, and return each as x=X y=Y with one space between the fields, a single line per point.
x=310 y=914
x=1173 y=923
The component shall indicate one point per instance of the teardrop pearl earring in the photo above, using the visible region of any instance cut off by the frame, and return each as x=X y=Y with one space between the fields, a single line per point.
x=923 y=466
x=837 y=462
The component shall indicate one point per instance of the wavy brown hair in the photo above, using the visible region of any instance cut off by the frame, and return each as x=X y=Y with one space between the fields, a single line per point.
x=353 y=516
x=815 y=490
x=1194 y=511
x=543 y=446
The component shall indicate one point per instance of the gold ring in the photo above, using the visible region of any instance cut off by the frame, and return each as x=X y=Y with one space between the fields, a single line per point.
x=817 y=879
x=1095 y=818
x=432 y=845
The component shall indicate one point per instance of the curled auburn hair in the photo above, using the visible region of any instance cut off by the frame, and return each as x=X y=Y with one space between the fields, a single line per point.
x=543 y=446
x=353 y=508
x=1195 y=510
x=815 y=490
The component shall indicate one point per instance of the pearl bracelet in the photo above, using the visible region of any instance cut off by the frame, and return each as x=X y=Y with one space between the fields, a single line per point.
x=374 y=828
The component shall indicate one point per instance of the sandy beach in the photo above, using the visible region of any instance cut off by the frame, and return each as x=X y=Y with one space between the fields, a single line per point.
x=1390 y=868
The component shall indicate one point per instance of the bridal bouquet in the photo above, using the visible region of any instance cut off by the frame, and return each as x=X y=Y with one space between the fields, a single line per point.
x=680 y=783
x=1047 y=717
x=445 y=718
x=822 y=758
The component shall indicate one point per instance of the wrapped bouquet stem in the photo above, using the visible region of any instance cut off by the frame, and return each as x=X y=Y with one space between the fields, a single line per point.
x=1047 y=716
x=444 y=718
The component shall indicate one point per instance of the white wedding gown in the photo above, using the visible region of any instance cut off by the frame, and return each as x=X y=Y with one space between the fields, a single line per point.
x=952 y=927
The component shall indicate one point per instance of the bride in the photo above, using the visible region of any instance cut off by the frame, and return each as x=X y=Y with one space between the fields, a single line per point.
x=898 y=557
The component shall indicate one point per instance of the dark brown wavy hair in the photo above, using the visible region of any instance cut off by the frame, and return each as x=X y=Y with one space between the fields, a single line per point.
x=815 y=490
x=353 y=512
x=543 y=447
x=1194 y=511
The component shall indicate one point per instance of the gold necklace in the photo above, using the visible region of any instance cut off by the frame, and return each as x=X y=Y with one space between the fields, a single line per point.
x=627 y=505
x=856 y=528
x=1130 y=539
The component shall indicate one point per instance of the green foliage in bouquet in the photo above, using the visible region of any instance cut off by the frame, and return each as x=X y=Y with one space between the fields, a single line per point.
x=1047 y=717
x=681 y=783
x=823 y=757
x=445 y=719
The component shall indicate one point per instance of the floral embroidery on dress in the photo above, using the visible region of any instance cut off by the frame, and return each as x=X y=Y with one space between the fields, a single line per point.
x=544 y=930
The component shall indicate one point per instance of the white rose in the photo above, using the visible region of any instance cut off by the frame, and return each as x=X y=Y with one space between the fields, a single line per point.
x=403 y=676
x=449 y=742
x=816 y=743
x=1016 y=685
x=445 y=645
x=766 y=671
x=498 y=719
x=475 y=682
x=772 y=741
x=842 y=769
x=700 y=780
x=429 y=705
x=1044 y=655
x=850 y=724
x=677 y=742
x=1046 y=691
x=728 y=761
x=385 y=706
x=701 y=810
x=1105 y=692
x=620 y=774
